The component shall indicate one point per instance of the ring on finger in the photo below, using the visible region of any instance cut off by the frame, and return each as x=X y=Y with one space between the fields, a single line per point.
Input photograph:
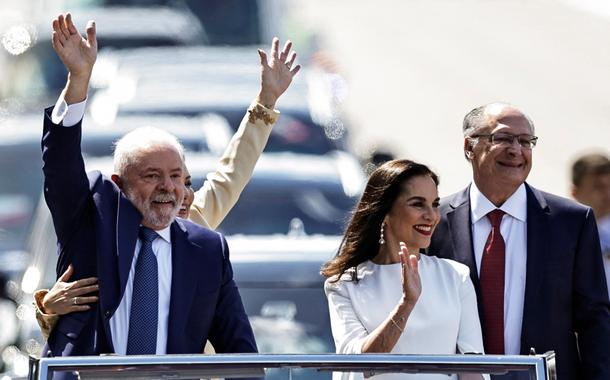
x=75 y=301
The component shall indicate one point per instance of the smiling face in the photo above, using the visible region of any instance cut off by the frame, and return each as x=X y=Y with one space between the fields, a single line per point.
x=414 y=214
x=189 y=195
x=498 y=170
x=154 y=184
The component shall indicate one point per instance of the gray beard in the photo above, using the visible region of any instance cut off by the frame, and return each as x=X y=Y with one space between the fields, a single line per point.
x=151 y=216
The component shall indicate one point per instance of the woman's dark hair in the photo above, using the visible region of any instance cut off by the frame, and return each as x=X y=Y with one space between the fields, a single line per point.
x=361 y=239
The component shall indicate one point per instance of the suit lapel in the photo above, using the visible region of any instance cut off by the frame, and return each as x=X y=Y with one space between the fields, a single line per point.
x=184 y=285
x=461 y=233
x=537 y=235
x=128 y=224
x=117 y=223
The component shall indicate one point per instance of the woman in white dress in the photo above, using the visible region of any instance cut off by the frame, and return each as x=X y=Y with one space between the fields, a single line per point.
x=386 y=297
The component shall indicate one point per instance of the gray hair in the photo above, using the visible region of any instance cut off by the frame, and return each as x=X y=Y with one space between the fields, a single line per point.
x=127 y=147
x=478 y=118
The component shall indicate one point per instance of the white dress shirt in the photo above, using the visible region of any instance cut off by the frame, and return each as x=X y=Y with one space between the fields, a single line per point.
x=514 y=231
x=162 y=248
x=119 y=323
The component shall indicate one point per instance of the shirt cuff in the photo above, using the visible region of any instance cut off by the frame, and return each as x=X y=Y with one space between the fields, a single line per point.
x=38 y=296
x=68 y=115
x=46 y=322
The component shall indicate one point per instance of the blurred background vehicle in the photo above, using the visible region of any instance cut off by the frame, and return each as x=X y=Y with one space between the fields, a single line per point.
x=37 y=75
x=282 y=290
x=227 y=22
x=222 y=80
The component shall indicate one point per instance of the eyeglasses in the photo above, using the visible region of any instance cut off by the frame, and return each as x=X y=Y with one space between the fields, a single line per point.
x=506 y=139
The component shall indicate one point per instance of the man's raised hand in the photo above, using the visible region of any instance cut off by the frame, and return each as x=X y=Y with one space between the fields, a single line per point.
x=77 y=53
x=277 y=72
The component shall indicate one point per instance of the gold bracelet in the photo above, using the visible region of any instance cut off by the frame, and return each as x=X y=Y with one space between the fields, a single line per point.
x=396 y=324
x=257 y=113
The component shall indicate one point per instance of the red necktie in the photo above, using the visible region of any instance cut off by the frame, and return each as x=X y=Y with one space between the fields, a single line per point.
x=492 y=287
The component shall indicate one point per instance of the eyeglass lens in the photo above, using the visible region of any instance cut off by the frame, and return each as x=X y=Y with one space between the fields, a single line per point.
x=526 y=141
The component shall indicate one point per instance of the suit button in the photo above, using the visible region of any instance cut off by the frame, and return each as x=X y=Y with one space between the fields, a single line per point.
x=107 y=313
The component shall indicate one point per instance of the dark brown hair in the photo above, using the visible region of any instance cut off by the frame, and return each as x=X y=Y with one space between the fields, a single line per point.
x=361 y=239
x=594 y=163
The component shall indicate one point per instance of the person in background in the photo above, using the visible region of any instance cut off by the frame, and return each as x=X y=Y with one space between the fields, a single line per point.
x=386 y=297
x=534 y=257
x=189 y=195
x=591 y=186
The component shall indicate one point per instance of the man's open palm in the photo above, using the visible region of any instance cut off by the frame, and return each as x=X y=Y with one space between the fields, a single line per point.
x=77 y=53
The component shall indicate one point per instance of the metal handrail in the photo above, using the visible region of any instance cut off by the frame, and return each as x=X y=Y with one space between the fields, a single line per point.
x=541 y=366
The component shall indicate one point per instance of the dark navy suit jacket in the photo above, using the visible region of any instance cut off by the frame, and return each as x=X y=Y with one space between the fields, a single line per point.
x=97 y=229
x=566 y=306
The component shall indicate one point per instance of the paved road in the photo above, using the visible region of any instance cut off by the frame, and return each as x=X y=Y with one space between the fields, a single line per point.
x=416 y=67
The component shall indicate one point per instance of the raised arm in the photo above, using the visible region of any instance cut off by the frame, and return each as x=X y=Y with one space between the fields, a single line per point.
x=222 y=188
x=386 y=335
x=66 y=185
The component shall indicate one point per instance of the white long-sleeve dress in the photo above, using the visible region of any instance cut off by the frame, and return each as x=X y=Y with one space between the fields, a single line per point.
x=445 y=319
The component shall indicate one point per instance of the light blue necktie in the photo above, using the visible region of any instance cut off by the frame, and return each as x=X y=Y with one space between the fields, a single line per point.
x=142 y=339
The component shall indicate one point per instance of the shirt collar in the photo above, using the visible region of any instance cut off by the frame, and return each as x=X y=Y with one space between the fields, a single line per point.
x=515 y=205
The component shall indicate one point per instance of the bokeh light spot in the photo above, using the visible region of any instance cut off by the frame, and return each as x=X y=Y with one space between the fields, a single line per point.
x=16 y=40
x=335 y=129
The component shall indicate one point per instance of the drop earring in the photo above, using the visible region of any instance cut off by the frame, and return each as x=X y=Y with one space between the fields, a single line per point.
x=381 y=239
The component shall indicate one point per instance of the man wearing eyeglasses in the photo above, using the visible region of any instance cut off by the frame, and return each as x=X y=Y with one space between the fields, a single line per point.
x=534 y=257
